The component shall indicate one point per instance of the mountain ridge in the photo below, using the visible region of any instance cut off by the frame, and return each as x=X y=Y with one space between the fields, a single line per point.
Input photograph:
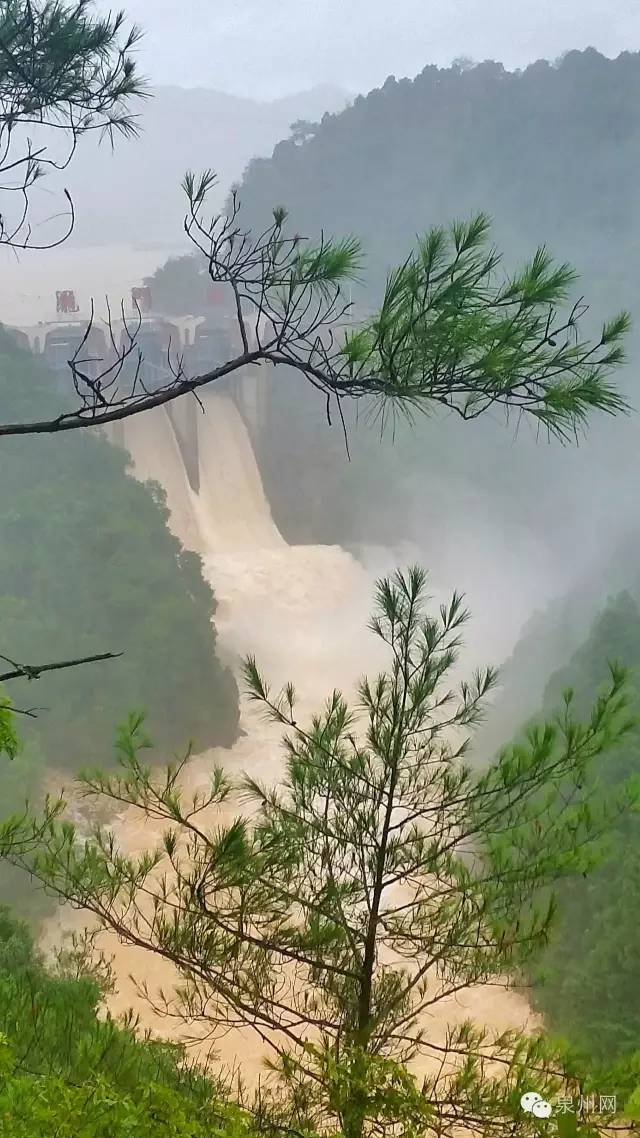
x=132 y=193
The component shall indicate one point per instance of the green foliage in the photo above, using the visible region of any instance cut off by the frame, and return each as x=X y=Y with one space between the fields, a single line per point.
x=614 y=635
x=20 y=782
x=106 y=575
x=48 y=1016
x=588 y=981
x=39 y=1107
x=447 y=333
x=180 y=287
x=385 y=1091
x=320 y=917
x=66 y=1070
x=9 y=743
x=63 y=64
x=551 y=153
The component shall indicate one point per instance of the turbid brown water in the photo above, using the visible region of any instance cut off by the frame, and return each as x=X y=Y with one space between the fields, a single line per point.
x=303 y=612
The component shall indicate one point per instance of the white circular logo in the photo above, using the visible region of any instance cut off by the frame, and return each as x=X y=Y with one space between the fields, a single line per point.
x=533 y=1103
x=541 y=1109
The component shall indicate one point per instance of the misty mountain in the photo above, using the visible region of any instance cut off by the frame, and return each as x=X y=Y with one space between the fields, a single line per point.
x=131 y=193
x=552 y=153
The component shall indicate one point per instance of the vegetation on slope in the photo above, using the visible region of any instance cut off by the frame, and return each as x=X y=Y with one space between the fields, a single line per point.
x=67 y=1070
x=87 y=565
x=525 y=145
x=286 y=918
x=587 y=980
x=551 y=154
x=588 y=984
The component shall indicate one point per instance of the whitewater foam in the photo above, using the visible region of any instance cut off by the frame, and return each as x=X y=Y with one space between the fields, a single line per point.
x=302 y=611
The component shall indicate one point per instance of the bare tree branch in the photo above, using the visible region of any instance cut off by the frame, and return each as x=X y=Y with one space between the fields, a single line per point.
x=64 y=73
x=34 y=671
x=450 y=331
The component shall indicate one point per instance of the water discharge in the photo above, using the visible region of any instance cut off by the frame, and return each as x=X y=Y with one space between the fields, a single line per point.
x=302 y=611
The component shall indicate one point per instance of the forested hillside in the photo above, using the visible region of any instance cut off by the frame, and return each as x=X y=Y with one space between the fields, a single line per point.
x=588 y=981
x=67 y=1069
x=105 y=575
x=551 y=636
x=133 y=194
x=550 y=153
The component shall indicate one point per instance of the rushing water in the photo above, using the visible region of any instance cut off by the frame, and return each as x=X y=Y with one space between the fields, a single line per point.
x=302 y=611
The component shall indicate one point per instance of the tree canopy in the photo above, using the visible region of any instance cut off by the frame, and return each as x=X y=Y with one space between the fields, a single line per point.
x=380 y=878
x=551 y=152
x=87 y=564
x=65 y=1069
x=588 y=982
x=64 y=71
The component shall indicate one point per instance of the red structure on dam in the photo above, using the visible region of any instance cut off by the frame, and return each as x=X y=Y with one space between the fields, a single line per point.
x=142 y=348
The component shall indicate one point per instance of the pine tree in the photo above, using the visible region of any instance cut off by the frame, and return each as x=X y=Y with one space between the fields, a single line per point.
x=68 y=70
x=382 y=876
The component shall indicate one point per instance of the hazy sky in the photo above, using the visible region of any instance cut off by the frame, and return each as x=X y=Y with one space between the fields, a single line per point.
x=268 y=48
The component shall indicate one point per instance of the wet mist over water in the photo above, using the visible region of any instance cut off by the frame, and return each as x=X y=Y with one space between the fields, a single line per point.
x=577 y=504
x=292 y=535
x=303 y=612
x=546 y=520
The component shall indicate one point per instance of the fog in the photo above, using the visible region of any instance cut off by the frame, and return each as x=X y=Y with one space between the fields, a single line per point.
x=266 y=51
x=257 y=517
x=570 y=507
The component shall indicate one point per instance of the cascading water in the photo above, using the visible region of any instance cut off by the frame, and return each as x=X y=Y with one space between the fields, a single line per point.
x=302 y=611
